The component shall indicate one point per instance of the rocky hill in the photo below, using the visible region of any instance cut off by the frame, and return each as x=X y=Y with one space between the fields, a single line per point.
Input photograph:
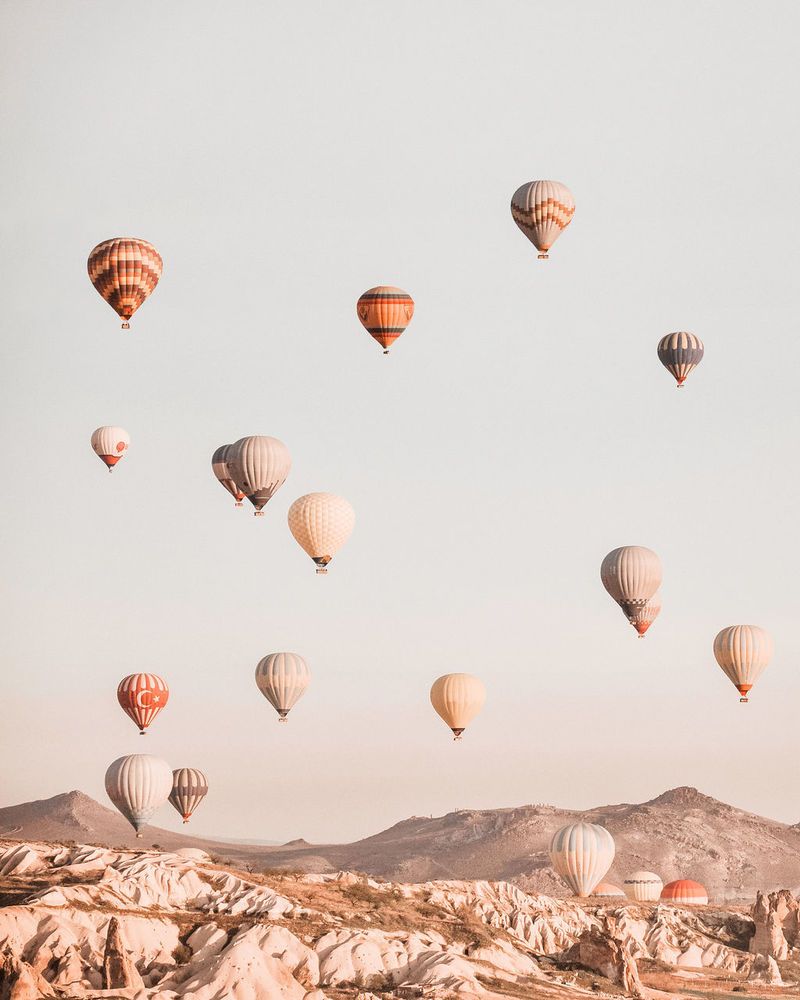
x=88 y=922
x=681 y=833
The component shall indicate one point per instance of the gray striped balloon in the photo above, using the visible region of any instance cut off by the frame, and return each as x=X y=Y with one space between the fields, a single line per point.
x=680 y=353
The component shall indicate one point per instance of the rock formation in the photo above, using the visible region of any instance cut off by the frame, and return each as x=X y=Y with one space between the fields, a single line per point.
x=119 y=972
x=777 y=924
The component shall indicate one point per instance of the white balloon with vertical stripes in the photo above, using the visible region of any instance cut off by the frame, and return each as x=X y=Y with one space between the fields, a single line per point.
x=457 y=699
x=138 y=785
x=631 y=575
x=743 y=652
x=282 y=678
x=189 y=788
x=643 y=886
x=321 y=523
x=258 y=465
x=110 y=444
x=582 y=853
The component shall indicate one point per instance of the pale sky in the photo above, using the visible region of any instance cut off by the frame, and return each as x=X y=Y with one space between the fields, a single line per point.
x=283 y=158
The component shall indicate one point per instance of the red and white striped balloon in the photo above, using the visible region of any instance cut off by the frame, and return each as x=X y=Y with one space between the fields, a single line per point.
x=142 y=696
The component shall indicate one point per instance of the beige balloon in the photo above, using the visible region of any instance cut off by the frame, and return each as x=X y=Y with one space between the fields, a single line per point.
x=110 y=443
x=457 y=698
x=321 y=523
x=282 y=678
x=582 y=853
x=543 y=210
x=743 y=652
x=258 y=465
x=643 y=886
x=631 y=575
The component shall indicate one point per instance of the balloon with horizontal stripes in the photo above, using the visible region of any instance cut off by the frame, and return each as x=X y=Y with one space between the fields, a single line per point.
x=141 y=697
x=457 y=699
x=110 y=444
x=125 y=270
x=321 y=523
x=542 y=210
x=282 y=678
x=189 y=788
x=582 y=853
x=743 y=652
x=258 y=465
x=385 y=312
x=680 y=353
x=685 y=891
x=138 y=784
x=631 y=575
x=219 y=466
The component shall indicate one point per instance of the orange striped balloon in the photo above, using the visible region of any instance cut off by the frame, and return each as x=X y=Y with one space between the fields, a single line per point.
x=385 y=312
x=125 y=271
x=142 y=696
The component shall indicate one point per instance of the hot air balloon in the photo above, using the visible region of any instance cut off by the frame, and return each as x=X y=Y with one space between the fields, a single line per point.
x=607 y=890
x=321 y=523
x=743 y=652
x=282 y=678
x=137 y=785
x=680 y=353
x=110 y=444
x=385 y=312
x=632 y=575
x=685 y=891
x=258 y=465
x=457 y=698
x=142 y=696
x=125 y=271
x=644 y=887
x=643 y=617
x=189 y=788
x=542 y=210
x=582 y=853
x=219 y=466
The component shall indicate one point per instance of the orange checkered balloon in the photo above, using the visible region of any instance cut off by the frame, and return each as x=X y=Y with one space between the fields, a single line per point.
x=125 y=271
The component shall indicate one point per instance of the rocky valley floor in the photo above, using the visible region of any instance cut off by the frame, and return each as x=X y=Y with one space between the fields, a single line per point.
x=88 y=922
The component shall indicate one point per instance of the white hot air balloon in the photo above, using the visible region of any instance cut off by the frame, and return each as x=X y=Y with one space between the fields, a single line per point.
x=258 y=465
x=457 y=698
x=137 y=785
x=219 y=466
x=189 y=788
x=543 y=210
x=110 y=444
x=644 y=887
x=282 y=678
x=321 y=523
x=632 y=575
x=582 y=853
x=743 y=652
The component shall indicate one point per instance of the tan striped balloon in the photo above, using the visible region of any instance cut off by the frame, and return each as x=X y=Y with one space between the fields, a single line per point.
x=189 y=788
x=125 y=271
x=457 y=699
x=582 y=853
x=282 y=678
x=543 y=210
x=743 y=652
x=643 y=886
x=321 y=523
x=258 y=465
x=631 y=575
x=385 y=312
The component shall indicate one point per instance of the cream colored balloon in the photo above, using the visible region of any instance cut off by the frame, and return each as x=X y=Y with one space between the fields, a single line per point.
x=644 y=887
x=543 y=210
x=458 y=698
x=110 y=445
x=643 y=616
x=282 y=678
x=258 y=465
x=321 y=523
x=582 y=853
x=631 y=575
x=743 y=652
x=137 y=785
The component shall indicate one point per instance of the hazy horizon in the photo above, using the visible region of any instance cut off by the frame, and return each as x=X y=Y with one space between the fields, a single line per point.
x=283 y=160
